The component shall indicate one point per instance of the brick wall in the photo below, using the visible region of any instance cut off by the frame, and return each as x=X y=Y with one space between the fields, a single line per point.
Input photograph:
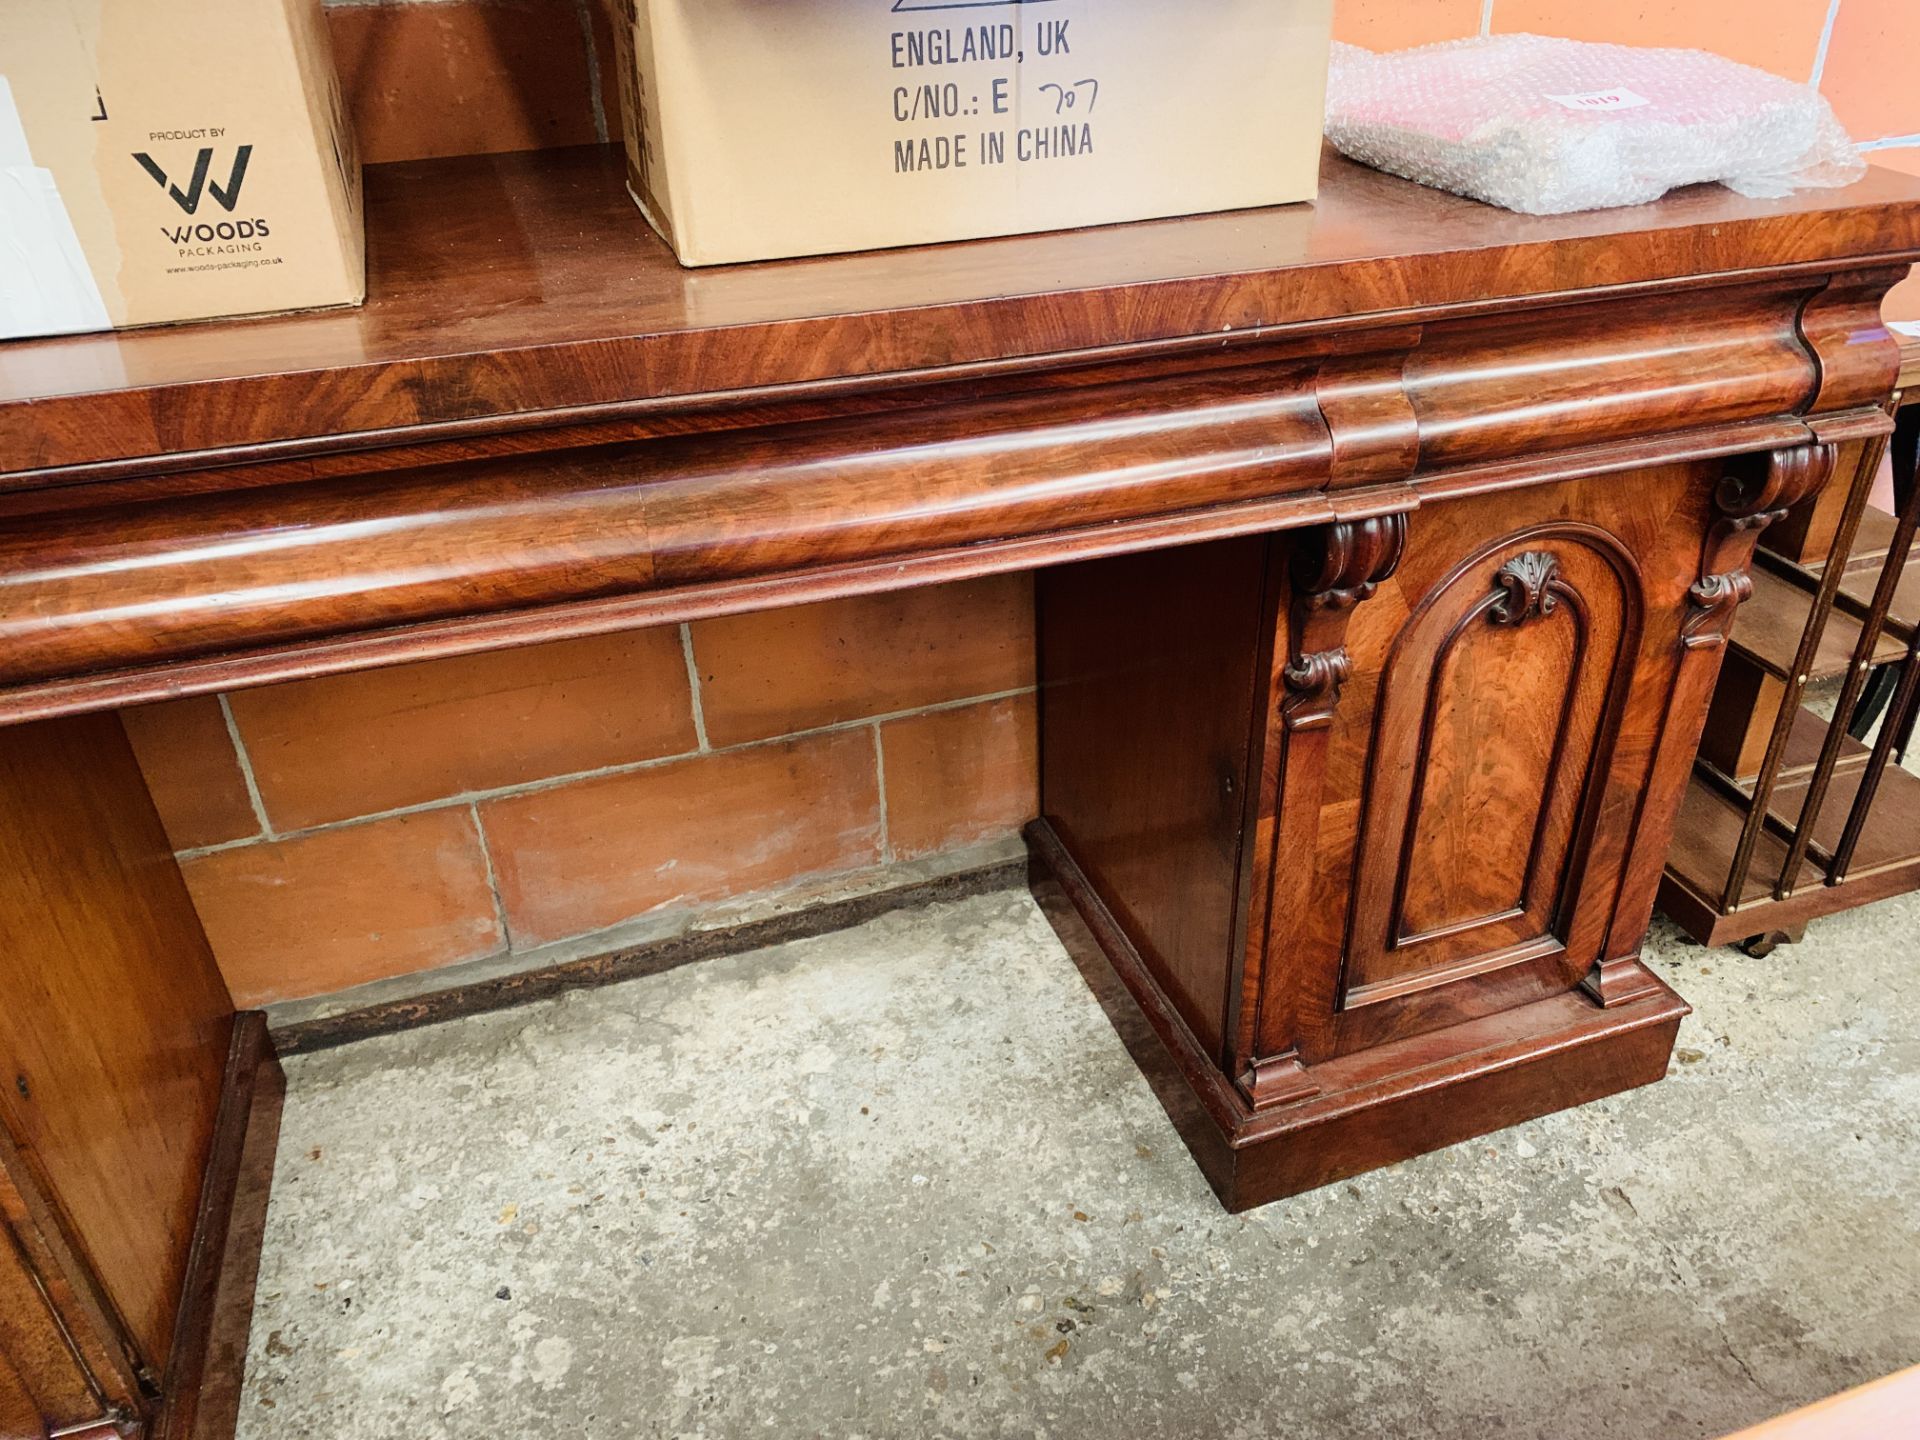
x=349 y=830
x=340 y=831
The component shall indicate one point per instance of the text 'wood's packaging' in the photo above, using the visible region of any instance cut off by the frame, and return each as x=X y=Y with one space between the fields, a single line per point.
x=171 y=162
x=757 y=129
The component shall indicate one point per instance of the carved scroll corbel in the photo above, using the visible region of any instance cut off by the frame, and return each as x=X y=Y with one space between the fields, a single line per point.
x=1335 y=568
x=1711 y=603
x=1754 y=493
x=1318 y=677
x=1759 y=489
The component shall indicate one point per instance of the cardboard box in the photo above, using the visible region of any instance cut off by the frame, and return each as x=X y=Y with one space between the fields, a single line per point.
x=171 y=162
x=757 y=129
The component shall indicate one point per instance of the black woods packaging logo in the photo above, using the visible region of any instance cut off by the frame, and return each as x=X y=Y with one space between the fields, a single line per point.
x=189 y=162
x=216 y=236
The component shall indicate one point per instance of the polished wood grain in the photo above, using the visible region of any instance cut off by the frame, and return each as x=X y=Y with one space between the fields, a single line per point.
x=1171 y=702
x=108 y=603
x=1502 y=687
x=509 y=535
x=43 y=1387
x=1623 y=551
x=546 y=428
x=93 y=1350
x=199 y=1393
x=1365 y=1110
x=1319 y=579
x=211 y=1411
x=1480 y=808
x=1314 y=486
x=1751 y=495
x=114 y=1030
x=527 y=284
x=1473 y=732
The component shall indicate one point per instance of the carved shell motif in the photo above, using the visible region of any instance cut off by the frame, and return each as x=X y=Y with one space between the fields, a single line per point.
x=1526 y=583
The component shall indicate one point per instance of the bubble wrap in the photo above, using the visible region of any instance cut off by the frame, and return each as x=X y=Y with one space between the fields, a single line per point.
x=1544 y=126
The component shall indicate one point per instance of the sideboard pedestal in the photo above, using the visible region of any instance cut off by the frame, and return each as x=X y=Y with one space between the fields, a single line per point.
x=1369 y=815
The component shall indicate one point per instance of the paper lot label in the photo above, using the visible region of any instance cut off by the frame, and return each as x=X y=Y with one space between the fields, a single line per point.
x=1601 y=100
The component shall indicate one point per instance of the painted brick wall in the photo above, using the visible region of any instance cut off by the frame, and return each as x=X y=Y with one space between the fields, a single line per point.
x=347 y=830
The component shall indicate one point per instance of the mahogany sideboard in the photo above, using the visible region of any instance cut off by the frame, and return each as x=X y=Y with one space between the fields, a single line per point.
x=1388 y=546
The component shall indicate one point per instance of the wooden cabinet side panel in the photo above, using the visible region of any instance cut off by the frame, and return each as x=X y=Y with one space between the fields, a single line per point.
x=42 y=1386
x=1148 y=676
x=115 y=1024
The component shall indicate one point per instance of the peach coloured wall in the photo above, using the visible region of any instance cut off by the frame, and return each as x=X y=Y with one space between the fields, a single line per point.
x=1863 y=54
x=453 y=77
x=341 y=831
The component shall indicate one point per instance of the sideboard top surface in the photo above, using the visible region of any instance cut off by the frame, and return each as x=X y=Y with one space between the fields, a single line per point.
x=528 y=284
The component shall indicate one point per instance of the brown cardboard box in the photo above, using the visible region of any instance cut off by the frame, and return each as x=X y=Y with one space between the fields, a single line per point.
x=171 y=162
x=764 y=128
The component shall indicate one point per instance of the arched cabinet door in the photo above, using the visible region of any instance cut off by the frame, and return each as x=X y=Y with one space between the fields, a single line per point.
x=1493 y=731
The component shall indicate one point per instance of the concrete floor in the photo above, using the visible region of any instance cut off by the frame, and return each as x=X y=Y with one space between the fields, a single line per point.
x=905 y=1181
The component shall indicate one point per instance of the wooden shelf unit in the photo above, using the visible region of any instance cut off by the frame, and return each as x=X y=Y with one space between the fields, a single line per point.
x=1771 y=624
x=1789 y=816
x=1856 y=592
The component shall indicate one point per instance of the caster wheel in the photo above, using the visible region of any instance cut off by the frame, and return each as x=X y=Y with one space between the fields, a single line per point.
x=1762 y=945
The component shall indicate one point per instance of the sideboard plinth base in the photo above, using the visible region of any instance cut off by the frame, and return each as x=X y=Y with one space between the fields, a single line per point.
x=1374 y=1107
